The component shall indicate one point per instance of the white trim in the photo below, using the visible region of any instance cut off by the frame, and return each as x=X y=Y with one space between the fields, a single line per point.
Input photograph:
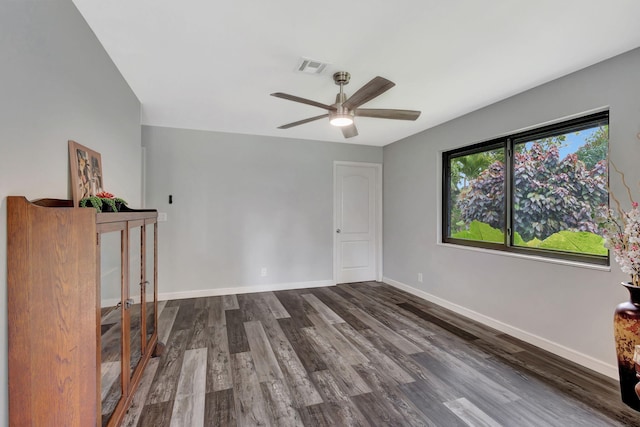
x=379 y=196
x=198 y=293
x=335 y=223
x=558 y=349
x=378 y=171
x=143 y=189
x=549 y=260
x=111 y=302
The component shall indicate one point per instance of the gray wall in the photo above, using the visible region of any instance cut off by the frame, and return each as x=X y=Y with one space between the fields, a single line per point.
x=57 y=83
x=242 y=203
x=564 y=307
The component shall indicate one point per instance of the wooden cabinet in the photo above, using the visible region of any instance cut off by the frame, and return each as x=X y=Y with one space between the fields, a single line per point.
x=82 y=310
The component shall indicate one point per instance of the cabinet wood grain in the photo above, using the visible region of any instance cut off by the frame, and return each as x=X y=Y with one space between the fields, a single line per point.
x=56 y=349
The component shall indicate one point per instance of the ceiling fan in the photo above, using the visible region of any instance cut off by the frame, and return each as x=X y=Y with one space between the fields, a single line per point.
x=344 y=110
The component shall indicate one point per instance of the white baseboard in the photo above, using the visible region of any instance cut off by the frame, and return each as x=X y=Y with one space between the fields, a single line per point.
x=243 y=289
x=555 y=348
x=110 y=302
x=164 y=296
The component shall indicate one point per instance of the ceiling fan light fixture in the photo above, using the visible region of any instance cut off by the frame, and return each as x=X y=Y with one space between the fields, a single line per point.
x=341 y=120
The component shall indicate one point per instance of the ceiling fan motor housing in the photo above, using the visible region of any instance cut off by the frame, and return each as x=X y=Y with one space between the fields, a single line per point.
x=341 y=77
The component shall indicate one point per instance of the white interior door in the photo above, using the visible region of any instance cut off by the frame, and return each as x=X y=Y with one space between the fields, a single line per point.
x=357 y=222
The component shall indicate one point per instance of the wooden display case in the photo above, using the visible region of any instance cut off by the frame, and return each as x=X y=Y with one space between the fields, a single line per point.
x=82 y=310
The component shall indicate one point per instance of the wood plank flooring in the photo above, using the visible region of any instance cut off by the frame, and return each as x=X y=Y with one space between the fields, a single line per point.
x=363 y=354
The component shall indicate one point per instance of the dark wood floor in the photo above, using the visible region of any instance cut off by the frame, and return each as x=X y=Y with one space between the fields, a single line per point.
x=361 y=354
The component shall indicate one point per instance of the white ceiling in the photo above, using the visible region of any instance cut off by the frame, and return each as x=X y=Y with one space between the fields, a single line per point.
x=211 y=65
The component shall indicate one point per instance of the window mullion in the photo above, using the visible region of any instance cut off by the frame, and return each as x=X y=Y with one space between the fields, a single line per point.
x=508 y=200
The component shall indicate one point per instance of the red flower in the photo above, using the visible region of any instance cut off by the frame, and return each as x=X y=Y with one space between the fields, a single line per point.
x=104 y=195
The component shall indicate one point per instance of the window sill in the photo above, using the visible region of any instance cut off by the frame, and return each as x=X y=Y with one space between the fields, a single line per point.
x=529 y=257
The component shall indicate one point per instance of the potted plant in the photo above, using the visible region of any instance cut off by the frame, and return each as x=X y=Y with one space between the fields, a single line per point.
x=92 y=201
x=104 y=202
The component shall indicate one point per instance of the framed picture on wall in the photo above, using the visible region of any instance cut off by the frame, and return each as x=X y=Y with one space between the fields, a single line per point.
x=86 y=172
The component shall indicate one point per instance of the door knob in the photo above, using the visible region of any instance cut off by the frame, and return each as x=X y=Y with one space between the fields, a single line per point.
x=338 y=231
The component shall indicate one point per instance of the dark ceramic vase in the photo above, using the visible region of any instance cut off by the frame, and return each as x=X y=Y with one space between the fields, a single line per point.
x=626 y=326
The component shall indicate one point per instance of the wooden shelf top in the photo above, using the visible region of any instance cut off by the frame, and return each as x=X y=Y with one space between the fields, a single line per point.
x=127 y=214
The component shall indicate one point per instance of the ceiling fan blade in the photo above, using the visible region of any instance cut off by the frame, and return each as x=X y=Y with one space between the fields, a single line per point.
x=349 y=131
x=303 y=100
x=301 y=122
x=377 y=86
x=384 y=113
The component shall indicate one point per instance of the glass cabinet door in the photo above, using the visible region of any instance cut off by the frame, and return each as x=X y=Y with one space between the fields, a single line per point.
x=135 y=296
x=150 y=285
x=110 y=322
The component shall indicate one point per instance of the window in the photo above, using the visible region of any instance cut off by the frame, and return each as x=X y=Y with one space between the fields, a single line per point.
x=539 y=192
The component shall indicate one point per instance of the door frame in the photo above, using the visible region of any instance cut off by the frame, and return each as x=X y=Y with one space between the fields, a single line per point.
x=378 y=212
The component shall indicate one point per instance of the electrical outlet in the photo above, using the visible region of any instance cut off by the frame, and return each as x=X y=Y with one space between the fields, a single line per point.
x=263 y=272
x=420 y=277
x=162 y=216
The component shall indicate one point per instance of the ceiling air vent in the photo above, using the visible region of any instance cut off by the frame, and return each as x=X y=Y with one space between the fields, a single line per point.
x=311 y=66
